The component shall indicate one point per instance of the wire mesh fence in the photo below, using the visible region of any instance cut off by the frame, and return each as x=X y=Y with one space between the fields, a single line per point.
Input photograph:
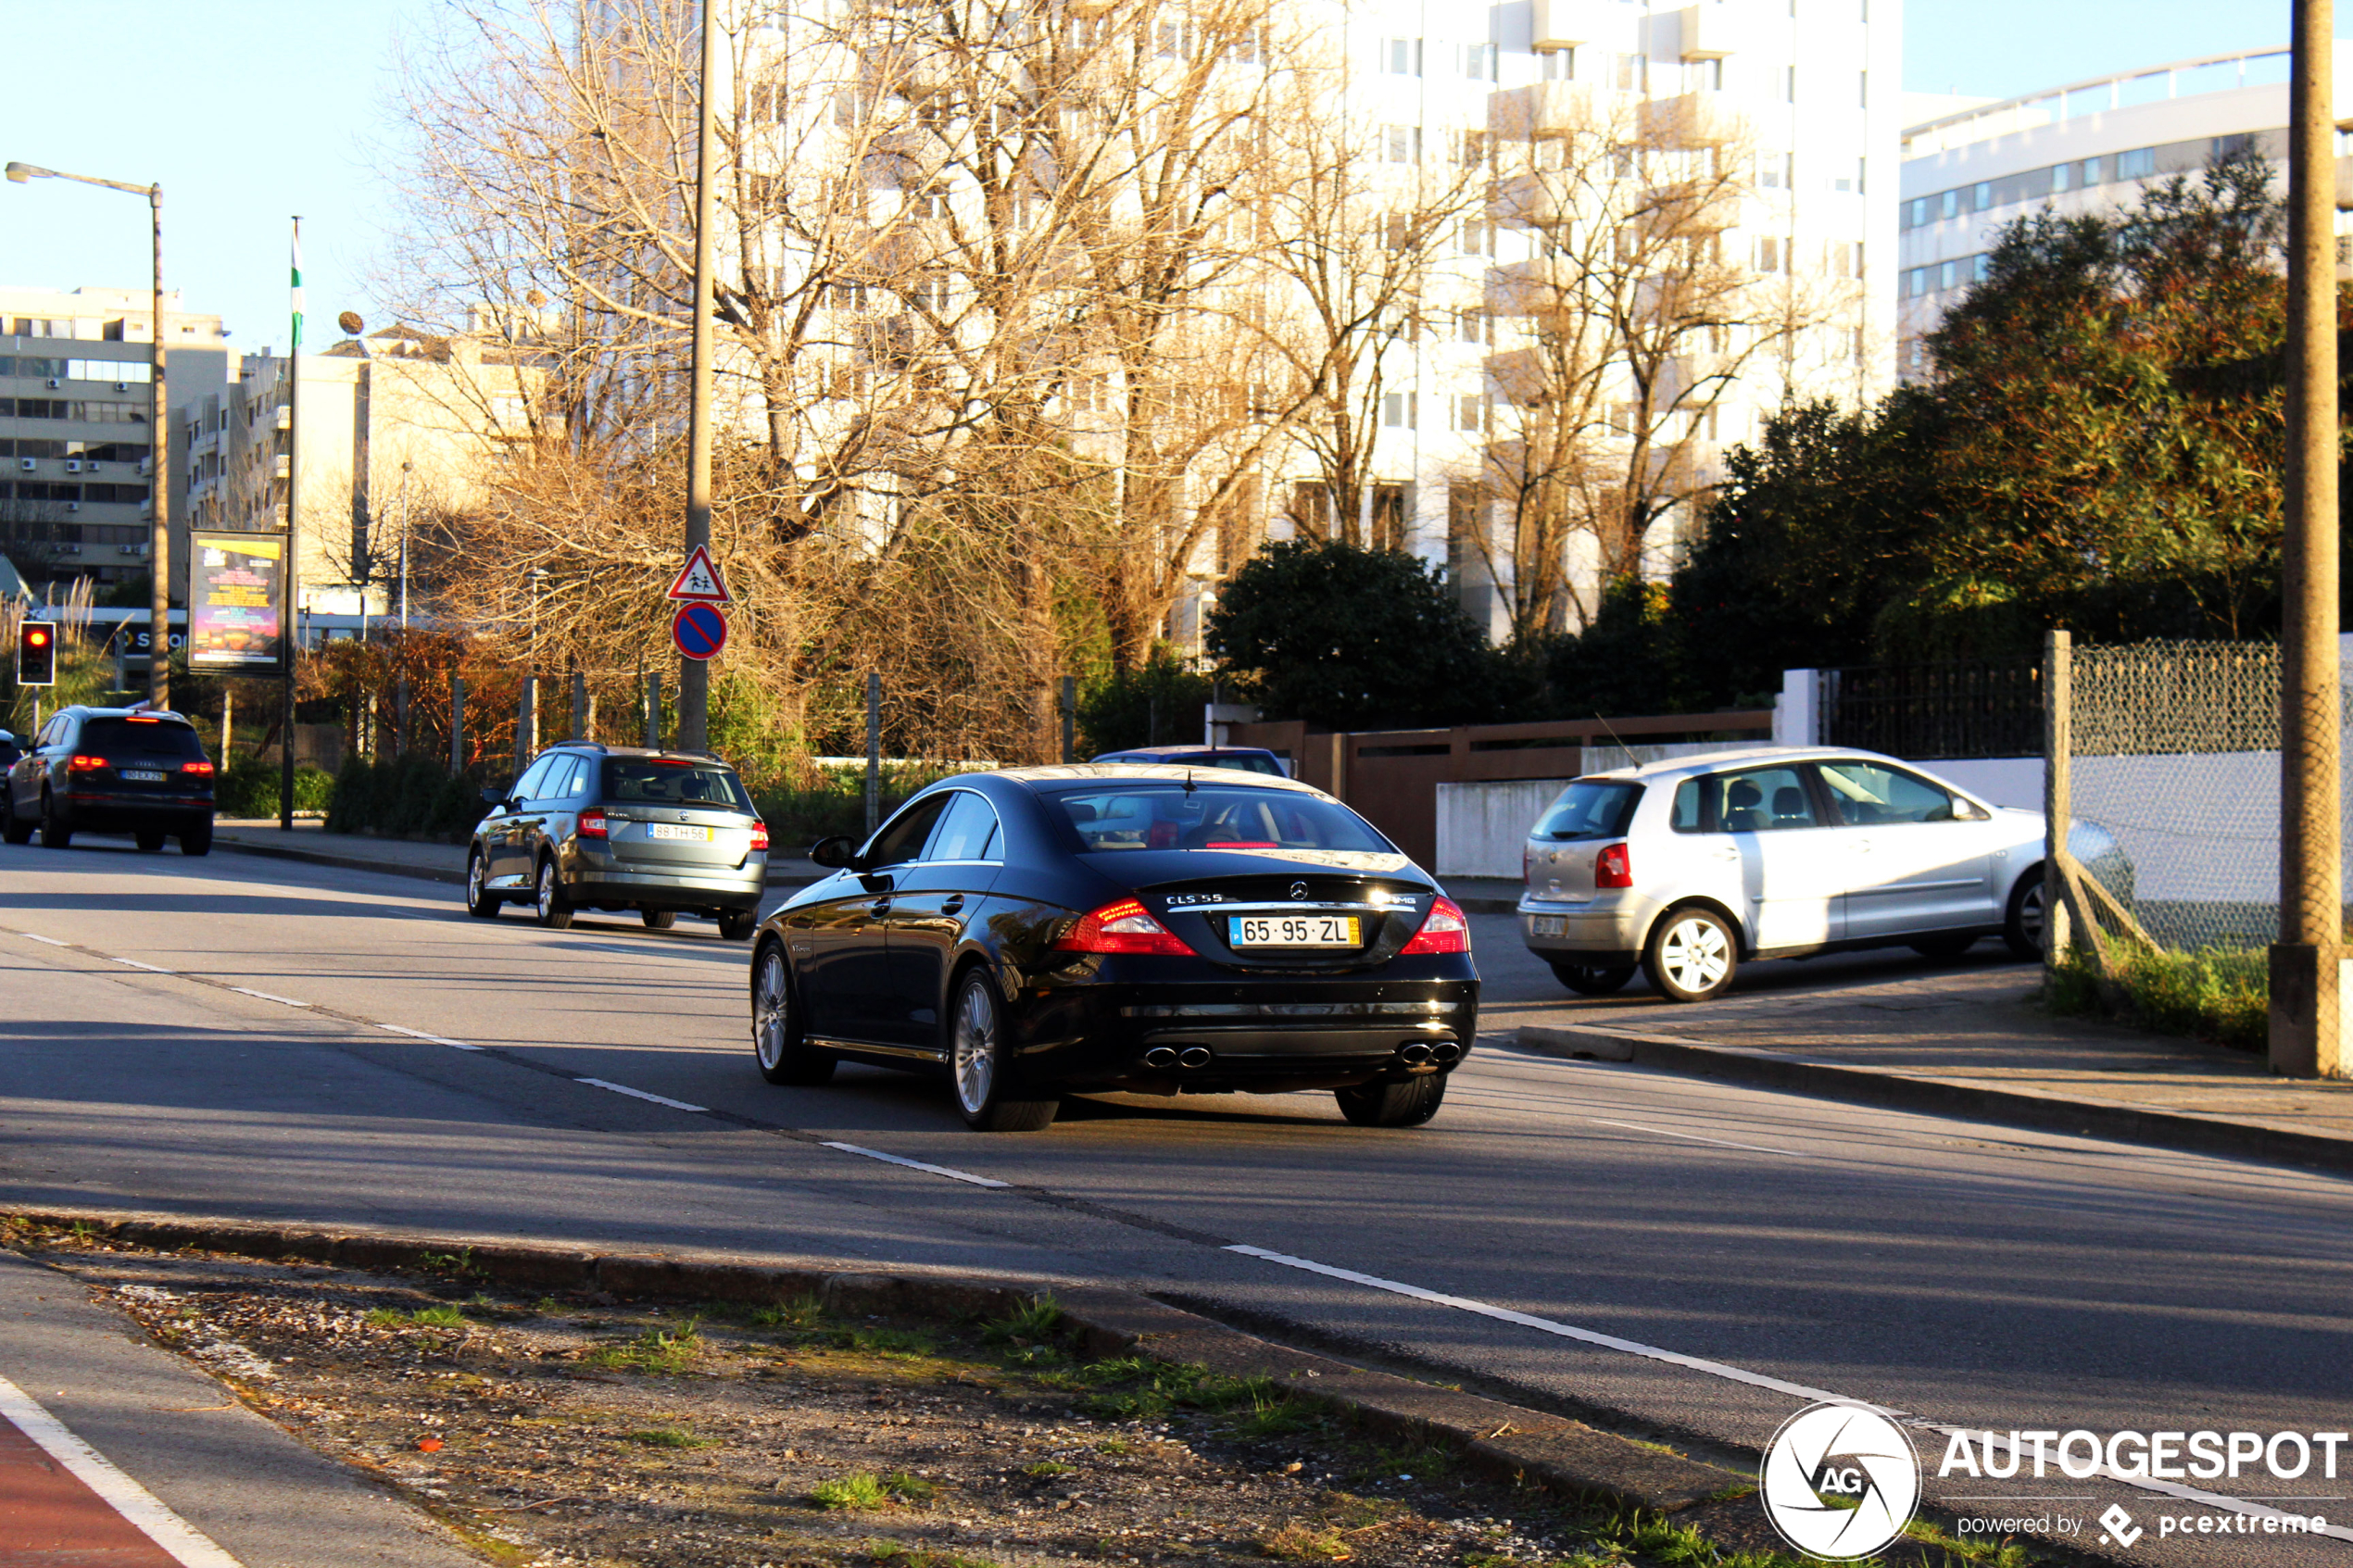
x=2175 y=761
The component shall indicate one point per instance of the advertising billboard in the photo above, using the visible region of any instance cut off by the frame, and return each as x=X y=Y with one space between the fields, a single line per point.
x=236 y=603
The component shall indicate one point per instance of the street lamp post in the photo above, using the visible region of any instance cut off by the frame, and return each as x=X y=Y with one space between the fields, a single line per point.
x=159 y=491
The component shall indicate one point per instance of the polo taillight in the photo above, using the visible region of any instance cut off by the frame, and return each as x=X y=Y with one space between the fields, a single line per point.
x=1122 y=927
x=1443 y=930
x=1614 y=868
x=593 y=824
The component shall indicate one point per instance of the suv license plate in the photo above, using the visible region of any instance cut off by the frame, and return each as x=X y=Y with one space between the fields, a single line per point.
x=671 y=830
x=1292 y=931
x=143 y=775
x=1545 y=926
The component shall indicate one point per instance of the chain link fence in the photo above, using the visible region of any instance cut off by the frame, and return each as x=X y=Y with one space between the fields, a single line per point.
x=2174 y=757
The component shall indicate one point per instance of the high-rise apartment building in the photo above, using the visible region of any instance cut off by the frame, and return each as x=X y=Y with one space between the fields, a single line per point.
x=76 y=450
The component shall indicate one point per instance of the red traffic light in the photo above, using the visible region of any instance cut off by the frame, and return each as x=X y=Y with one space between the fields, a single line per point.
x=36 y=637
x=36 y=654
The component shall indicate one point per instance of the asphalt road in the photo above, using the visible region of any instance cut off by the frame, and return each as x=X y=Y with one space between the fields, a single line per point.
x=1970 y=1275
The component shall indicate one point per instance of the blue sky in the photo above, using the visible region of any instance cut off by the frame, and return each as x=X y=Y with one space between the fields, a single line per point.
x=251 y=110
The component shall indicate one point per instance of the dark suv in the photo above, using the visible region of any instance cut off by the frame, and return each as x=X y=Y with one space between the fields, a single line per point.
x=618 y=828
x=112 y=769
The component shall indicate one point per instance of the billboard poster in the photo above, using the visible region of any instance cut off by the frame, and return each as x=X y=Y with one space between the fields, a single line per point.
x=235 y=602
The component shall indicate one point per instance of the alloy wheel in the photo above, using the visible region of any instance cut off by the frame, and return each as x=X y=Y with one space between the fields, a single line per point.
x=473 y=881
x=2030 y=914
x=975 y=1045
x=771 y=1014
x=1695 y=953
x=546 y=889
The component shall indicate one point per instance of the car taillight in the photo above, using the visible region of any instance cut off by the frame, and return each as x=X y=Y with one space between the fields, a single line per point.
x=1443 y=930
x=759 y=836
x=593 y=826
x=1614 y=868
x=1123 y=928
x=82 y=764
x=201 y=769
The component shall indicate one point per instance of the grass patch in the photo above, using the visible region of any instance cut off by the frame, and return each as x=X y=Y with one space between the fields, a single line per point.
x=654 y=1350
x=1988 y=1555
x=424 y=1317
x=1305 y=1543
x=1045 y=1467
x=668 y=1437
x=1038 y=1323
x=865 y=1489
x=894 y=1344
x=903 y=1556
x=2220 y=994
x=802 y=1313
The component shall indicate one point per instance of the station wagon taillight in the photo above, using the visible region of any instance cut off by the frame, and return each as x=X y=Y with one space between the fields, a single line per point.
x=1122 y=927
x=1614 y=868
x=759 y=836
x=593 y=824
x=1444 y=930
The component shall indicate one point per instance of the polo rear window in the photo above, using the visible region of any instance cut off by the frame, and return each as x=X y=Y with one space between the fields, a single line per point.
x=139 y=737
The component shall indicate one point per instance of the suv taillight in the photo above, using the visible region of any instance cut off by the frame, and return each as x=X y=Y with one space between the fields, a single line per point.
x=83 y=763
x=1444 y=931
x=201 y=769
x=592 y=824
x=1123 y=928
x=759 y=836
x=1614 y=868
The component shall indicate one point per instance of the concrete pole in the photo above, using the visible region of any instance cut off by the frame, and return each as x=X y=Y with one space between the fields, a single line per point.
x=2059 y=746
x=651 y=684
x=159 y=490
x=527 y=724
x=291 y=572
x=694 y=674
x=2304 y=1023
x=457 y=725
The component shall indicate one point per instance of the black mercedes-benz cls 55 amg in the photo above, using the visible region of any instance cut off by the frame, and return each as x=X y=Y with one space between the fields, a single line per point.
x=1038 y=932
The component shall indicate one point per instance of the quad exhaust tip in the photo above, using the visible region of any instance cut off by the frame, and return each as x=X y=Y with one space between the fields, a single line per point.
x=1443 y=1054
x=1194 y=1056
x=1160 y=1056
x=1413 y=1055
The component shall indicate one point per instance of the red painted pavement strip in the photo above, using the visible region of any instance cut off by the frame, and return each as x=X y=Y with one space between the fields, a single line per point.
x=49 y=1518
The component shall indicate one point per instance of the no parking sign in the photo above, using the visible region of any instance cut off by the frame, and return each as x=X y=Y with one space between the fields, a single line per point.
x=699 y=631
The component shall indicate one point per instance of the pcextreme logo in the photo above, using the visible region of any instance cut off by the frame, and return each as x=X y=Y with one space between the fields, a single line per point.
x=1840 y=1481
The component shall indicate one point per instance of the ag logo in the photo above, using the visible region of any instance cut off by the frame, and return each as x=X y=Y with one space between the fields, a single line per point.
x=1840 y=1481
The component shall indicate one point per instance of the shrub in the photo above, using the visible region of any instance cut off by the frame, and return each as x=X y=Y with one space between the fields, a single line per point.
x=249 y=788
x=412 y=795
x=2221 y=993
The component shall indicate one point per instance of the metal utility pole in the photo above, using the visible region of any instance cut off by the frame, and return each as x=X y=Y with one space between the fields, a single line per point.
x=694 y=674
x=404 y=547
x=159 y=465
x=2304 y=1035
x=293 y=573
x=457 y=725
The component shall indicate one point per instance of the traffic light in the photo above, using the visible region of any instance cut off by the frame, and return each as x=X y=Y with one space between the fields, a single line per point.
x=36 y=654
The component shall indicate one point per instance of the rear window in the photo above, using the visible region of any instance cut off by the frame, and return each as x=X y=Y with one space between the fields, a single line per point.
x=1591 y=808
x=1168 y=816
x=629 y=780
x=1249 y=765
x=139 y=737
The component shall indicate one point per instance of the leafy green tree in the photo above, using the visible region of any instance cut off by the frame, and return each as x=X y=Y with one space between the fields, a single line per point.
x=1348 y=638
x=1157 y=703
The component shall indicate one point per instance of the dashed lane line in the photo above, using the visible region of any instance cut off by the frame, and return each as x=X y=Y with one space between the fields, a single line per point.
x=266 y=996
x=645 y=1095
x=948 y=1171
x=182 y=1541
x=429 y=1039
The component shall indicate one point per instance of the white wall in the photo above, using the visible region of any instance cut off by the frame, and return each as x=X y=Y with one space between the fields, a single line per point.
x=1481 y=827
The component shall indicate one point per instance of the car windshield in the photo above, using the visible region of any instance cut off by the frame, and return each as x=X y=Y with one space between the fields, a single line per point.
x=1169 y=816
x=139 y=737
x=630 y=779
x=1591 y=808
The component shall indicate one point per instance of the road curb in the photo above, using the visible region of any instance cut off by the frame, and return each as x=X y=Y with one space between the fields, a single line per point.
x=1973 y=1101
x=1532 y=1448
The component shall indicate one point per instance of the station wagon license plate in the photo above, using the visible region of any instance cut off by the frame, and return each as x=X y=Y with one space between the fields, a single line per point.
x=1292 y=931
x=1545 y=926
x=673 y=829
x=143 y=775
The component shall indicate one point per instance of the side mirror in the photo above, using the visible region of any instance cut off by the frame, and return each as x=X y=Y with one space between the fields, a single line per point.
x=834 y=852
x=494 y=799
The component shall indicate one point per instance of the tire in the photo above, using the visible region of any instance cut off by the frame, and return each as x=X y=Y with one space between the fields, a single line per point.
x=13 y=828
x=55 y=834
x=1944 y=949
x=2022 y=920
x=736 y=925
x=1692 y=954
x=197 y=840
x=554 y=905
x=150 y=840
x=1588 y=980
x=777 y=1040
x=986 y=1091
x=481 y=902
x=658 y=920
x=1408 y=1104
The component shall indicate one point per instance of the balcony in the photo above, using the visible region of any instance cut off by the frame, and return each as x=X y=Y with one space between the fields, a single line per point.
x=1522 y=288
x=1529 y=201
x=1542 y=111
x=1689 y=119
x=1563 y=24
x=1696 y=207
x=1710 y=31
x=1518 y=376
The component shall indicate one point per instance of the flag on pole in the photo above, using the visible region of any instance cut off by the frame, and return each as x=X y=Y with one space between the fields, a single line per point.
x=297 y=285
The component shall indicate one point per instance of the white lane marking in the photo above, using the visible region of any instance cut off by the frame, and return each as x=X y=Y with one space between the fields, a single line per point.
x=265 y=995
x=134 y=963
x=1742 y=1374
x=1720 y=1143
x=641 y=1094
x=50 y=940
x=949 y=1172
x=183 y=1541
x=429 y=1039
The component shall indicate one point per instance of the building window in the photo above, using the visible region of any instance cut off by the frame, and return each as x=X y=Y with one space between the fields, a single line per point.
x=1470 y=412
x=1388 y=516
x=2136 y=165
x=1768 y=253
x=1404 y=143
x=1633 y=70
x=768 y=103
x=1311 y=509
x=1706 y=76
x=1862 y=89
x=1474 y=326
x=1558 y=65
x=1401 y=56
x=1399 y=410
x=1478 y=237
x=1951 y=200
x=1479 y=62
x=1470 y=148
x=1948 y=274
x=1788 y=84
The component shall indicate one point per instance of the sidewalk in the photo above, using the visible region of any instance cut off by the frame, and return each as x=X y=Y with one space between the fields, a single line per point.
x=1968 y=1041
x=310 y=842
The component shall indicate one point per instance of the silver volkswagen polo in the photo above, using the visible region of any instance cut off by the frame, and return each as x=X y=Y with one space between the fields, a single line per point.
x=1687 y=868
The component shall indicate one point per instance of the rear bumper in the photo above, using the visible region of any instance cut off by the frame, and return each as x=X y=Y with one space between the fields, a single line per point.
x=598 y=879
x=121 y=811
x=1605 y=932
